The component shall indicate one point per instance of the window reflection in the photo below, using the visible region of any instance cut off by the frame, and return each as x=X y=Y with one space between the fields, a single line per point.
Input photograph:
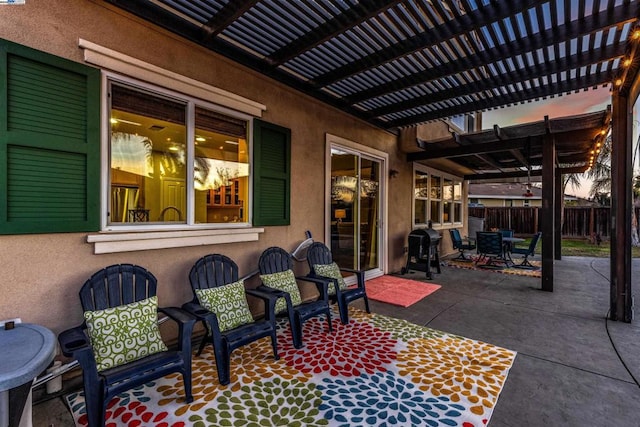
x=149 y=170
x=148 y=173
x=437 y=199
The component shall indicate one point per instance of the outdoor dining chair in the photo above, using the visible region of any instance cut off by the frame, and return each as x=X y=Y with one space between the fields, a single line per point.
x=276 y=273
x=220 y=302
x=119 y=346
x=506 y=246
x=490 y=249
x=321 y=265
x=527 y=252
x=461 y=244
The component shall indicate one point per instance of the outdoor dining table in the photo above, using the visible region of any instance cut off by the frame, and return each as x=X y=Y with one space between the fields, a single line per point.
x=26 y=351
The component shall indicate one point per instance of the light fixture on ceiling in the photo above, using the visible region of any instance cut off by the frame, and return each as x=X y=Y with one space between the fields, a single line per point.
x=228 y=141
x=115 y=121
x=200 y=138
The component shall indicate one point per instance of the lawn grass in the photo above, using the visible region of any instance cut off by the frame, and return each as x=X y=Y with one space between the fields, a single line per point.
x=582 y=247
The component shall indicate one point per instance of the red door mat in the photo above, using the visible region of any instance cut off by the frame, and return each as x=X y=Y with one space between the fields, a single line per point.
x=398 y=291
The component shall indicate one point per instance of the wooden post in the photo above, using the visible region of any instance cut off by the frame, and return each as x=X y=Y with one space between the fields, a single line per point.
x=621 y=179
x=557 y=216
x=548 y=208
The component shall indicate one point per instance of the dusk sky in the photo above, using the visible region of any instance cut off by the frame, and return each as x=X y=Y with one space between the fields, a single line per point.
x=567 y=105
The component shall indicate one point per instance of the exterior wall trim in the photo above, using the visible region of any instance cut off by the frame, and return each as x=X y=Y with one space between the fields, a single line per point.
x=112 y=60
x=127 y=242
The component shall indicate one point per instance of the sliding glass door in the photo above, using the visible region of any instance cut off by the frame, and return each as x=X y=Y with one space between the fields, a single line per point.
x=355 y=209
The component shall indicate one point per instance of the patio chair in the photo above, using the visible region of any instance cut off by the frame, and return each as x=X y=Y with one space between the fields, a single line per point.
x=490 y=249
x=118 y=345
x=527 y=252
x=219 y=301
x=321 y=265
x=276 y=272
x=460 y=244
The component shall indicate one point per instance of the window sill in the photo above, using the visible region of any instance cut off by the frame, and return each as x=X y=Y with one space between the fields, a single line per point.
x=105 y=243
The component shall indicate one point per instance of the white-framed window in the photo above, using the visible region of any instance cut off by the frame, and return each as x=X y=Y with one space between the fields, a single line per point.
x=174 y=161
x=437 y=198
x=193 y=96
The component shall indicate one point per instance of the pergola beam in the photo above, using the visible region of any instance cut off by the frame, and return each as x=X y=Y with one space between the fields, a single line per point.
x=472 y=21
x=523 y=174
x=227 y=15
x=466 y=150
x=351 y=17
x=554 y=67
x=482 y=104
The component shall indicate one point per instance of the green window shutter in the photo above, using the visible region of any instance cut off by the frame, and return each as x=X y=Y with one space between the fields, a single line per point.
x=271 y=174
x=49 y=143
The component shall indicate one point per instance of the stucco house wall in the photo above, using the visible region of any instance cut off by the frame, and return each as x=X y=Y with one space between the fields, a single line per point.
x=41 y=274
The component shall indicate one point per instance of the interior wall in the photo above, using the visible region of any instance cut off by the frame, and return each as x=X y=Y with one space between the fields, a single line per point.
x=41 y=274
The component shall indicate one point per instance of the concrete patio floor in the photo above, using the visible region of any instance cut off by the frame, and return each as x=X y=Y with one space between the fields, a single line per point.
x=570 y=368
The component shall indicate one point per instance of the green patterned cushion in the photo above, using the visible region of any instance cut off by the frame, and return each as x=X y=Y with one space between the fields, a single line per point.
x=125 y=333
x=228 y=302
x=284 y=281
x=332 y=271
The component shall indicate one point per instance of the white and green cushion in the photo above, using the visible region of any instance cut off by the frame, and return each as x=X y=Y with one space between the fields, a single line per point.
x=331 y=271
x=124 y=333
x=228 y=302
x=283 y=281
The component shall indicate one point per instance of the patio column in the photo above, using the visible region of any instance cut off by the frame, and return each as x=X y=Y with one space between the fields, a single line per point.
x=548 y=207
x=557 y=218
x=621 y=179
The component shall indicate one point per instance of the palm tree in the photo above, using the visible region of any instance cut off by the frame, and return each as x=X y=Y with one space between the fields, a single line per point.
x=572 y=179
x=600 y=174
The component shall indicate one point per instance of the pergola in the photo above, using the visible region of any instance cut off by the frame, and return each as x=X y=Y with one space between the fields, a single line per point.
x=401 y=63
x=524 y=151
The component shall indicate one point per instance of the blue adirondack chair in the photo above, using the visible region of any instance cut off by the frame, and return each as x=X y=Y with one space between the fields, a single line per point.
x=277 y=260
x=214 y=271
x=319 y=254
x=117 y=286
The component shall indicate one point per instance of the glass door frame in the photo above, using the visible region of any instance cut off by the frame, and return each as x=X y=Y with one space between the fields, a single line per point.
x=336 y=142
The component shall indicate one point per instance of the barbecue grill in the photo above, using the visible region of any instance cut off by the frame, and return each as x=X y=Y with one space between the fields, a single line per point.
x=423 y=251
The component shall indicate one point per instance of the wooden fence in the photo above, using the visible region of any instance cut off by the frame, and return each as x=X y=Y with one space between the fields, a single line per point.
x=578 y=221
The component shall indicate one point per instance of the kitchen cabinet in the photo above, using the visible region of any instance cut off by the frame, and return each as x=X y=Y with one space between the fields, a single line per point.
x=226 y=195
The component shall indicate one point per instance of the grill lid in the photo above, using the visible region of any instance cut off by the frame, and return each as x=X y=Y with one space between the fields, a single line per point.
x=429 y=236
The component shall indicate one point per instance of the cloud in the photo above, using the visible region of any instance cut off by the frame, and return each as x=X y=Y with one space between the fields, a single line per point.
x=567 y=105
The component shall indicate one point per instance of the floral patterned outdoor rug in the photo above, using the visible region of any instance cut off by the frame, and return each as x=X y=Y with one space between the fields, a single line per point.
x=375 y=371
x=471 y=265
